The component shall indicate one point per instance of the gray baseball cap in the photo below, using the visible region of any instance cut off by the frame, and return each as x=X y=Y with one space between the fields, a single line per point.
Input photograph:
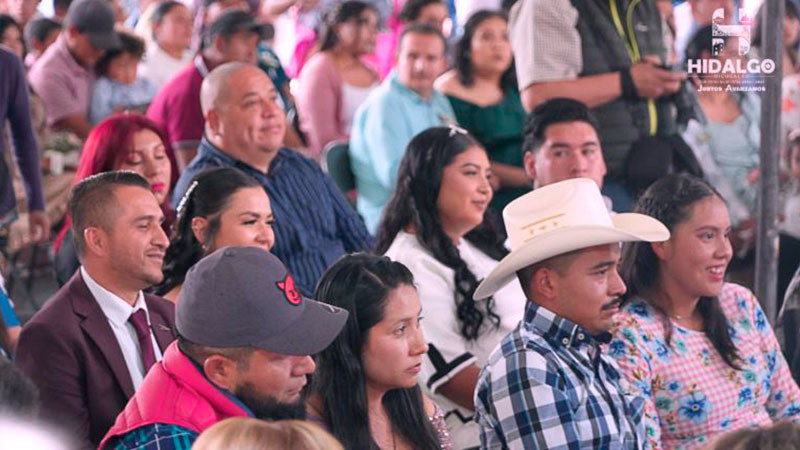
x=235 y=20
x=245 y=297
x=95 y=18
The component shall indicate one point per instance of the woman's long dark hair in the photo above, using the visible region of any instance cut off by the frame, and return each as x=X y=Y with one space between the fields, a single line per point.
x=463 y=52
x=670 y=200
x=361 y=284
x=207 y=196
x=340 y=14
x=419 y=179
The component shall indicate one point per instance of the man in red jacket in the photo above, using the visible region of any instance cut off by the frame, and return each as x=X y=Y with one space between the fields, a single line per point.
x=245 y=336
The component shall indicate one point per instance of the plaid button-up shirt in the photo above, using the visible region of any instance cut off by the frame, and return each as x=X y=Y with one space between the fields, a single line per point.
x=549 y=386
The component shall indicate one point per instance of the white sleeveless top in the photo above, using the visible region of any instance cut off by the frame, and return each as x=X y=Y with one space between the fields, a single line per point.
x=352 y=98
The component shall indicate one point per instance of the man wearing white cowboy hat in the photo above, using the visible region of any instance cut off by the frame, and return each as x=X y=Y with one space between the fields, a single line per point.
x=548 y=385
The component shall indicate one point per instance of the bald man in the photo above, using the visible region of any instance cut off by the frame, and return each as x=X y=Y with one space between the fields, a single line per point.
x=244 y=128
x=233 y=36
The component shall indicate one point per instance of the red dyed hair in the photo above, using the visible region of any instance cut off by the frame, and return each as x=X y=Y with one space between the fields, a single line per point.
x=107 y=147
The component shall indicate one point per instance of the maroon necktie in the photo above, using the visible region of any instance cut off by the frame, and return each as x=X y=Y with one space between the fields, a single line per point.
x=139 y=322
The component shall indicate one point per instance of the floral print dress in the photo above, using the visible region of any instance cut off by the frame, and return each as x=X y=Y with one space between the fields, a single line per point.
x=690 y=393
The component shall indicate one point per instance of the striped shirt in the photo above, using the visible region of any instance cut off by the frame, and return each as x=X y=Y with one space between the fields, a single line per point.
x=314 y=224
x=548 y=386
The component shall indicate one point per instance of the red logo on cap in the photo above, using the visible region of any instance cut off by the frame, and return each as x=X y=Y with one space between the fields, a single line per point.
x=290 y=290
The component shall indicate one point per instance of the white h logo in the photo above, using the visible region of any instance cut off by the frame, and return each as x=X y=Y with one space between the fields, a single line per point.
x=720 y=30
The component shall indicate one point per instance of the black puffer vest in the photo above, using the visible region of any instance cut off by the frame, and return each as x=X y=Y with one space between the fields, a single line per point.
x=622 y=121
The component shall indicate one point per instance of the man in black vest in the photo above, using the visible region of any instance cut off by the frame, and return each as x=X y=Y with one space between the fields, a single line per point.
x=607 y=54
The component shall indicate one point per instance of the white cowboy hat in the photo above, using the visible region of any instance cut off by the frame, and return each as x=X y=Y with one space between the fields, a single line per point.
x=559 y=218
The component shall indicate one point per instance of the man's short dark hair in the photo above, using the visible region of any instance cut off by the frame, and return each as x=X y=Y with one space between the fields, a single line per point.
x=421 y=28
x=93 y=203
x=61 y=4
x=131 y=44
x=39 y=29
x=559 y=264
x=199 y=353
x=413 y=8
x=551 y=112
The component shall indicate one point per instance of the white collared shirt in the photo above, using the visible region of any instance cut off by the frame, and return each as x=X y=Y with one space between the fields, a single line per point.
x=117 y=312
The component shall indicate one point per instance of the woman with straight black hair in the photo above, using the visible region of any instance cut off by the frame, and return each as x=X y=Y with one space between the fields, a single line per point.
x=482 y=89
x=436 y=224
x=365 y=390
x=335 y=81
x=700 y=351
x=222 y=207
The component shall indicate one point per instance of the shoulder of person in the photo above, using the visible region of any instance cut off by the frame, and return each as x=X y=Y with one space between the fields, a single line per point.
x=55 y=321
x=179 y=83
x=320 y=61
x=429 y=405
x=159 y=305
x=6 y=57
x=637 y=309
x=736 y=296
x=536 y=361
x=448 y=83
x=407 y=249
x=297 y=159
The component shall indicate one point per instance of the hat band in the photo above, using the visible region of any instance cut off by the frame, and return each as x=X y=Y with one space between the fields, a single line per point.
x=542 y=225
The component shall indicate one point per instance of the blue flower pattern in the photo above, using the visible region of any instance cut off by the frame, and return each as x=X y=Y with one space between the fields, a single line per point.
x=664 y=403
x=616 y=348
x=761 y=320
x=745 y=397
x=689 y=407
x=660 y=348
x=694 y=407
x=640 y=309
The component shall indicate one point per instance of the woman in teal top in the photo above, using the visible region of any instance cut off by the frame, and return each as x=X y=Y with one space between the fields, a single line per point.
x=483 y=92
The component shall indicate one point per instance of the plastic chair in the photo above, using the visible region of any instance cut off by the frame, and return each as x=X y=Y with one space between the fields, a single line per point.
x=335 y=162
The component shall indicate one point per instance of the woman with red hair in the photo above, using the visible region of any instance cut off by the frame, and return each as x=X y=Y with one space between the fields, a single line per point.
x=121 y=142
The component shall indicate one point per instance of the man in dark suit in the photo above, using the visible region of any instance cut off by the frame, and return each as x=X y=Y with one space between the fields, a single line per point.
x=89 y=348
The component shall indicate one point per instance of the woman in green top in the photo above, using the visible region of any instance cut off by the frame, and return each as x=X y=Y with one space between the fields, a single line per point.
x=483 y=91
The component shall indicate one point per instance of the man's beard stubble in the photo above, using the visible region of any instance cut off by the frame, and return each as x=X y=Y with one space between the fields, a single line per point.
x=266 y=407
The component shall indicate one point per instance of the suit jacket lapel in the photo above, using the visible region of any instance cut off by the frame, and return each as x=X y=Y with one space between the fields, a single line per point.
x=161 y=328
x=95 y=325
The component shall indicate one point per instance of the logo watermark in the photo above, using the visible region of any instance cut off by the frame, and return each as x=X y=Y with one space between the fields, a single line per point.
x=728 y=70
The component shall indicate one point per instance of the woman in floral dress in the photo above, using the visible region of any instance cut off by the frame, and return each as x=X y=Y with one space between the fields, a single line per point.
x=698 y=350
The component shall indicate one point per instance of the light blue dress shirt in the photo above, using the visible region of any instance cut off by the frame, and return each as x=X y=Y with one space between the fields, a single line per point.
x=382 y=128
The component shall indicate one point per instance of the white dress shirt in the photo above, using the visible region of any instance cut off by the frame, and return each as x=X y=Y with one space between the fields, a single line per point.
x=117 y=312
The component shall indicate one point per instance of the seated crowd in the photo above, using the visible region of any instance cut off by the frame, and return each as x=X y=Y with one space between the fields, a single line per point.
x=245 y=260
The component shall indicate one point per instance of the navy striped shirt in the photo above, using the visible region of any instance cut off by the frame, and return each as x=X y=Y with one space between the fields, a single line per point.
x=314 y=224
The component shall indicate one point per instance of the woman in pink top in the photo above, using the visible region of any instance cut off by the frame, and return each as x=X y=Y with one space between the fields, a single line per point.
x=698 y=350
x=335 y=81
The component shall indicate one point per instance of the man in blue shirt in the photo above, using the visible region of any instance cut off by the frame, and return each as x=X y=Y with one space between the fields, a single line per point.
x=404 y=105
x=244 y=128
x=548 y=385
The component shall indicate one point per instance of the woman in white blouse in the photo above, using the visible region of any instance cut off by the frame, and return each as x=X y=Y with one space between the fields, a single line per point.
x=168 y=50
x=436 y=224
